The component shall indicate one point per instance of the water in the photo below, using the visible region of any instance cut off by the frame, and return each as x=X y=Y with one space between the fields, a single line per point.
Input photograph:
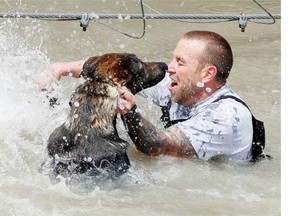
x=153 y=186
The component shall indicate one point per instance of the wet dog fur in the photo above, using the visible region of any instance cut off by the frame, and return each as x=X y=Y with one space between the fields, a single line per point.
x=88 y=142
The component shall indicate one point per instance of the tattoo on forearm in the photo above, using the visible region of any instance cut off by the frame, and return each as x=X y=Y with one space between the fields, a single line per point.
x=152 y=141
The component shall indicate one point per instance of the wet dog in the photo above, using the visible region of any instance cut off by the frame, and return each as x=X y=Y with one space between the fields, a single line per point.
x=88 y=141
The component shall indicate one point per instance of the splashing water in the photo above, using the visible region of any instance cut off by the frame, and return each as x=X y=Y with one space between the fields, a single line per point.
x=24 y=110
x=17 y=90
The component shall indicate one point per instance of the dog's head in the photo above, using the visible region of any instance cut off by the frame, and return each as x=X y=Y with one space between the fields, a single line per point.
x=124 y=69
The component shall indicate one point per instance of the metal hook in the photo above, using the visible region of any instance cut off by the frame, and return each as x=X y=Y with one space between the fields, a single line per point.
x=84 y=22
x=243 y=22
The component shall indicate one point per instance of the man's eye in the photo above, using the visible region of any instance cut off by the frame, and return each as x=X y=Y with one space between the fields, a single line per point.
x=180 y=63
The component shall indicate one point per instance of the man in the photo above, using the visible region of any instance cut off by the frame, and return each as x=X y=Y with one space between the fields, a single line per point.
x=200 y=121
x=197 y=77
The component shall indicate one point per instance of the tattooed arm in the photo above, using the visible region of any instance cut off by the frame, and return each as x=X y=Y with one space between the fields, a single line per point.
x=153 y=141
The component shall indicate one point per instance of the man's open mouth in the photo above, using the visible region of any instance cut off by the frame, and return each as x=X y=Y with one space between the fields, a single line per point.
x=173 y=84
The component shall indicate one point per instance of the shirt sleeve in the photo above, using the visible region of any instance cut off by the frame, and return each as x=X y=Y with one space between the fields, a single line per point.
x=220 y=131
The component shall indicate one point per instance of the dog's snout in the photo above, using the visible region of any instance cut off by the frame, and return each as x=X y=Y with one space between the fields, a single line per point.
x=163 y=66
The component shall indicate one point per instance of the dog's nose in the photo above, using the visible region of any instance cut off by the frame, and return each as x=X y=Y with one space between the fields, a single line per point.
x=163 y=66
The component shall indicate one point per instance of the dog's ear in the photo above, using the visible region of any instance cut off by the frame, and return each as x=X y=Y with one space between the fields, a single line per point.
x=89 y=68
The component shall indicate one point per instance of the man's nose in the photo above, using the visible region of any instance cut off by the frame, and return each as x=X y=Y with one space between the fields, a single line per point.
x=171 y=68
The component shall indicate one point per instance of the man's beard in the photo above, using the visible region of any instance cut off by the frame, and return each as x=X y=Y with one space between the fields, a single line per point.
x=185 y=94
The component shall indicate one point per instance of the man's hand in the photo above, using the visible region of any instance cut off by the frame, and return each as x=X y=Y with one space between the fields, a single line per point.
x=127 y=103
x=46 y=80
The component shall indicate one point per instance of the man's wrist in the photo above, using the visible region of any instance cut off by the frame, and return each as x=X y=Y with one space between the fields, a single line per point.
x=132 y=113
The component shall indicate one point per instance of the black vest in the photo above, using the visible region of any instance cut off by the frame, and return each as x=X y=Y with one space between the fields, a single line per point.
x=258 y=142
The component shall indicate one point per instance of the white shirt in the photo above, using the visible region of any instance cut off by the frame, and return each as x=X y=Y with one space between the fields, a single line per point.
x=222 y=128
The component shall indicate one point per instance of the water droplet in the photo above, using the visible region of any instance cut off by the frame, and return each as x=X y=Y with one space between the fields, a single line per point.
x=76 y=104
x=208 y=89
x=122 y=45
x=200 y=84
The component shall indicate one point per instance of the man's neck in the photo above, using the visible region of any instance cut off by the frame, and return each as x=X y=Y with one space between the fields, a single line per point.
x=205 y=93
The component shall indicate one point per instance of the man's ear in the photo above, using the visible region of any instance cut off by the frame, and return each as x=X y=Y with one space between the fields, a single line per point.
x=209 y=73
x=89 y=68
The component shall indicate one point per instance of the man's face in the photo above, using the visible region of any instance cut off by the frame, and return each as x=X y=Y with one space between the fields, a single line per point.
x=185 y=72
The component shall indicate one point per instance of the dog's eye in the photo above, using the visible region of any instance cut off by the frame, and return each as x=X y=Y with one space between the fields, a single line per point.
x=136 y=67
x=140 y=65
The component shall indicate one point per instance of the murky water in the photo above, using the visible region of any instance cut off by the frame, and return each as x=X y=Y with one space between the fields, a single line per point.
x=153 y=186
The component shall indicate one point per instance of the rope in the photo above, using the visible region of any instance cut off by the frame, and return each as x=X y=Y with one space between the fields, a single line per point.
x=119 y=17
x=85 y=18
x=95 y=16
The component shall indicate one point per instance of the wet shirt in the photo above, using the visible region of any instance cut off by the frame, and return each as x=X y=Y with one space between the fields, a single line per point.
x=222 y=128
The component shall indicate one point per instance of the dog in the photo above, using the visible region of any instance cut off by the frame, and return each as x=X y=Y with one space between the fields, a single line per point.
x=88 y=141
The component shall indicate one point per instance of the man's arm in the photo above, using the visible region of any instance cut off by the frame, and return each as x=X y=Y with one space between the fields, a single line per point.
x=152 y=141
x=68 y=68
x=57 y=70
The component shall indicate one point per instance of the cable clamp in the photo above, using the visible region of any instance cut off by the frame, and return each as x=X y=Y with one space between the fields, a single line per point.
x=243 y=22
x=84 y=22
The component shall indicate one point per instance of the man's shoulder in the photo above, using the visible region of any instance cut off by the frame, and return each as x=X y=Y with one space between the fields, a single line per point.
x=223 y=105
x=228 y=105
x=223 y=97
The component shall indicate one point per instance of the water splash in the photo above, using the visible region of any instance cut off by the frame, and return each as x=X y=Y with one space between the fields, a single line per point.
x=24 y=110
